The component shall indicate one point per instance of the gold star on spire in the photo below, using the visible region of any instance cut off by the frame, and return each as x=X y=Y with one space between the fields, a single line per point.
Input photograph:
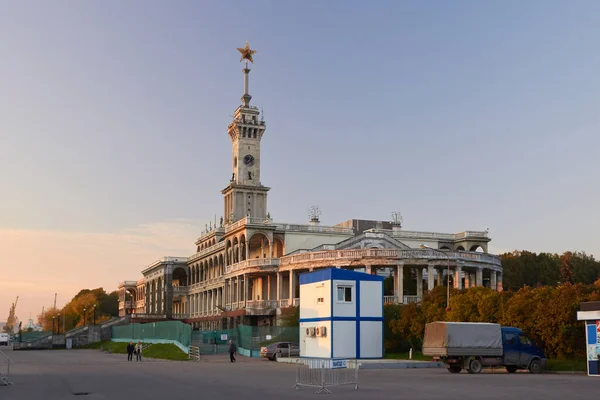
x=246 y=53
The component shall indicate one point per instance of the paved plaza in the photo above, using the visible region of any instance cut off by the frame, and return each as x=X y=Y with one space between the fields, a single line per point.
x=62 y=374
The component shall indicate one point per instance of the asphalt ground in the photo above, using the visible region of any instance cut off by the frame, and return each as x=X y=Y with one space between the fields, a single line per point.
x=91 y=374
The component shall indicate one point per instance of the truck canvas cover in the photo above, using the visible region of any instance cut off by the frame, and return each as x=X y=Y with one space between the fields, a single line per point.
x=462 y=339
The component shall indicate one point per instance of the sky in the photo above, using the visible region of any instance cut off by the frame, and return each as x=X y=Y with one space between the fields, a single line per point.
x=461 y=115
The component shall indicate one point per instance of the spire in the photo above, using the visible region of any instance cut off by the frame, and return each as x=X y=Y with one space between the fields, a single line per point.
x=247 y=56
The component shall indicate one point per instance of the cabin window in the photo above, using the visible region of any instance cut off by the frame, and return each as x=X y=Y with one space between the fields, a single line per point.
x=344 y=294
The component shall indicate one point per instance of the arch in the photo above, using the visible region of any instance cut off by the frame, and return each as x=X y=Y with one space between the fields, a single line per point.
x=221 y=264
x=216 y=264
x=278 y=247
x=198 y=249
x=258 y=245
x=180 y=277
x=460 y=248
x=211 y=271
x=214 y=241
x=477 y=248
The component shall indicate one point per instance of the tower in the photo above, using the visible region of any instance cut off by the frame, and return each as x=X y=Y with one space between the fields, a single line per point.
x=245 y=195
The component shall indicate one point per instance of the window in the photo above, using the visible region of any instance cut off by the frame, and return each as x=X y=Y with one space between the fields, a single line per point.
x=509 y=338
x=344 y=294
x=525 y=341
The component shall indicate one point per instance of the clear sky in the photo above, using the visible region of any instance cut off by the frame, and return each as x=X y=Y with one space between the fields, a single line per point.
x=462 y=115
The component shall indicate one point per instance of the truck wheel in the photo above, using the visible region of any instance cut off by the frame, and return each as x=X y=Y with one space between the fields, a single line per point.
x=512 y=369
x=535 y=367
x=475 y=367
x=455 y=369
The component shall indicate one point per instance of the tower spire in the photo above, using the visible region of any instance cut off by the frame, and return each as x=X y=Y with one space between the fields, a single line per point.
x=247 y=56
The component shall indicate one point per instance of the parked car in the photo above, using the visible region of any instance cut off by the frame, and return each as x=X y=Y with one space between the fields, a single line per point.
x=280 y=349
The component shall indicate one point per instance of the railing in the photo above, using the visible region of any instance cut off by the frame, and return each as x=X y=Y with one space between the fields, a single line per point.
x=412 y=299
x=390 y=299
x=180 y=290
x=435 y=235
x=181 y=316
x=148 y=316
x=314 y=228
x=255 y=262
x=296 y=302
x=261 y=304
x=124 y=305
x=284 y=303
x=128 y=283
x=202 y=253
x=325 y=373
x=5 y=362
x=165 y=260
x=391 y=253
x=194 y=353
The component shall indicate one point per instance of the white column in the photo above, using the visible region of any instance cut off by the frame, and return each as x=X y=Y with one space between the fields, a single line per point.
x=458 y=277
x=430 y=277
x=400 y=283
x=368 y=270
x=479 y=276
x=493 y=283
x=246 y=290
x=278 y=287
x=420 y=281
x=292 y=284
x=268 y=287
x=237 y=289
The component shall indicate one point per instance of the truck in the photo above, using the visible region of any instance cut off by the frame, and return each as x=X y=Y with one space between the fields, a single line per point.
x=4 y=339
x=475 y=345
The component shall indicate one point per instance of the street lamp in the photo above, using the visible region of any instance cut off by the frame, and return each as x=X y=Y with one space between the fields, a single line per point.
x=94 y=314
x=53 y=332
x=58 y=325
x=84 y=309
x=448 y=285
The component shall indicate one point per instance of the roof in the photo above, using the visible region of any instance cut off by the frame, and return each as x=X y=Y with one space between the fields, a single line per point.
x=327 y=274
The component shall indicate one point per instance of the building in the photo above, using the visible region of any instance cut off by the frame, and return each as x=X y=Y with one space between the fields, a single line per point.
x=341 y=314
x=246 y=266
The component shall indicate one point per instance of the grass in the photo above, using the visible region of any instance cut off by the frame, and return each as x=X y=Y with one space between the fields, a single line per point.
x=551 y=365
x=161 y=351
x=416 y=356
x=566 y=365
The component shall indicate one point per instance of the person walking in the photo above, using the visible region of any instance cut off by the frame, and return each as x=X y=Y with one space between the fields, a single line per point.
x=138 y=351
x=130 y=350
x=232 y=350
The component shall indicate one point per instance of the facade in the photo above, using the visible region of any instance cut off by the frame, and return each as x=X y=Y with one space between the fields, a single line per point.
x=590 y=313
x=245 y=267
x=341 y=314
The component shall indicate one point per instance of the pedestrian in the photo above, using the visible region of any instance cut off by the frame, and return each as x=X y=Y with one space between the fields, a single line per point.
x=138 y=351
x=232 y=350
x=130 y=349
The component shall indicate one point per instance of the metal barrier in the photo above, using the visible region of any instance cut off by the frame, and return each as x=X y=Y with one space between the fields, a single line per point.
x=5 y=362
x=325 y=373
x=194 y=353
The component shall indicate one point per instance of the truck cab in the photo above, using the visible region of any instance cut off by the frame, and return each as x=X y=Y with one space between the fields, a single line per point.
x=521 y=352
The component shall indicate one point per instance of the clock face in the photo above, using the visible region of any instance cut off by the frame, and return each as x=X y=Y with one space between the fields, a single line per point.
x=249 y=159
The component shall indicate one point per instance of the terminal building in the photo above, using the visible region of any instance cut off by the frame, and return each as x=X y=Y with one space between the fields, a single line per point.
x=245 y=268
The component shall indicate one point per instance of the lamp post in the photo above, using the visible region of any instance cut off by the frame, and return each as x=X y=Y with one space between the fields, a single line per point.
x=94 y=314
x=58 y=325
x=53 y=332
x=84 y=309
x=448 y=285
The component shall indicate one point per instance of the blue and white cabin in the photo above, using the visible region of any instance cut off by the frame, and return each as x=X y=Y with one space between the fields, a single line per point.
x=341 y=314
